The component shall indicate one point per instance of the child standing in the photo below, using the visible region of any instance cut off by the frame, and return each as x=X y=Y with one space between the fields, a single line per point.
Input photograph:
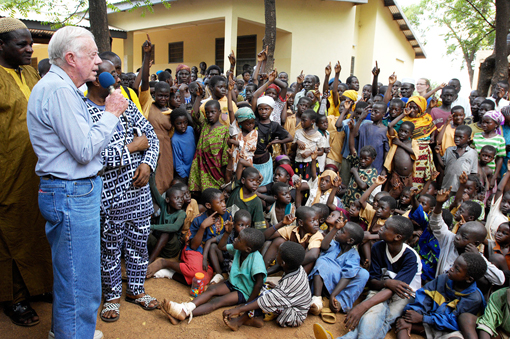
x=439 y=303
x=394 y=277
x=244 y=197
x=183 y=143
x=374 y=134
x=363 y=173
x=208 y=167
x=207 y=225
x=440 y=114
x=293 y=122
x=491 y=123
x=218 y=86
x=247 y=276
x=338 y=270
x=485 y=173
x=322 y=125
x=290 y=298
x=306 y=140
x=458 y=159
x=446 y=135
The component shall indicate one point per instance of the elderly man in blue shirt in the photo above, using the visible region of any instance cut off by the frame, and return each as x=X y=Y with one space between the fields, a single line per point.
x=68 y=145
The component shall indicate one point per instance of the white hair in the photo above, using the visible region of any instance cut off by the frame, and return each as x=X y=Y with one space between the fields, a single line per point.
x=66 y=39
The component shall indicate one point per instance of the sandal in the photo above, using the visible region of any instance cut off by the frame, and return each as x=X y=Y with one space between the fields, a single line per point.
x=321 y=333
x=143 y=302
x=327 y=316
x=21 y=312
x=110 y=307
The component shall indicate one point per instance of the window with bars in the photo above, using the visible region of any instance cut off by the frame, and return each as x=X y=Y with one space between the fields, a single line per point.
x=176 y=52
x=246 y=53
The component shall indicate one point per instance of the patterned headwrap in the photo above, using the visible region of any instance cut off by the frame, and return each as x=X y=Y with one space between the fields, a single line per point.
x=243 y=114
x=289 y=170
x=418 y=100
x=10 y=24
x=276 y=88
x=267 y=100
x=496 y=116
x=281 y=157
x=181 y=67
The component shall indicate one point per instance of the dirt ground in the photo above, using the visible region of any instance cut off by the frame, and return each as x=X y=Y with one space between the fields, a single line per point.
x=136 y=323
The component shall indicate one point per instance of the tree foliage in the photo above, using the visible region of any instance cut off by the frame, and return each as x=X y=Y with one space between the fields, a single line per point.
x=470 y=25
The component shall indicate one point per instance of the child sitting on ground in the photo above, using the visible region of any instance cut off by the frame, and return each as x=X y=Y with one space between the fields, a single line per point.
x=321 y=188
x=322 y=211
x=282 y=206
x=306 y=233
x=402 y=155
x=244 y=197
x=289 y=299
x=467 y=239
x=192 y=209
x=497 y=250
x=395 y=274
x=439 y=303
x=496 y=317
x=459 y=158
x=164 y=240
x=485 y=173
x=446 y=136
x=500 y=207
x=205 y=226
x=221 y=261
x=354 y=212
x=337 y=272
x=307 y=140
x=247 y=276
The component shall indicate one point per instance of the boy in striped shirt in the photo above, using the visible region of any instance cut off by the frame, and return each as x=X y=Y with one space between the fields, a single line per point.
x=290 y=299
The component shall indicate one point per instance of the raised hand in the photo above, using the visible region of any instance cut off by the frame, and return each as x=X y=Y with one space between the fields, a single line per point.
x=209 y=221
x=348 y=104
x=262 y=56
x=350 y=124
x=288 y=219
x=463 y=178
x=414 y=191
x=232 y=58
x=443 y=195
x=229 y=225
x=147 y=45
x=314 y=155
x=433 y=102
x=300 y=78
x=381 y=179
x=376 y=70
x=231 y=82
x=338 y=68
x=340 y=222
x=392 y=79
x=337 y=182
x=200 y=92
x=407 y=111
x=272 y=75
x=328 y=69
x=443 y=85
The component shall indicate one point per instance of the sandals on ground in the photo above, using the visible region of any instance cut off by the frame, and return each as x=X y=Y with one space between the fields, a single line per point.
x=144 y=302
x=110 y=307
x=20 y=313
x=321 y=333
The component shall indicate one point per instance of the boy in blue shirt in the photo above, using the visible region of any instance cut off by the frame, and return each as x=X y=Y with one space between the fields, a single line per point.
x=395 y=273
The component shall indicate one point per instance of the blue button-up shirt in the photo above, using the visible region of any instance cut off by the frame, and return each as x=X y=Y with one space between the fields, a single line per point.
x=66 y=141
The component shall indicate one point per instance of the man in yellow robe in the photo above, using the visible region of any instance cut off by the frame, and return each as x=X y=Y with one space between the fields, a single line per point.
x=25 y=258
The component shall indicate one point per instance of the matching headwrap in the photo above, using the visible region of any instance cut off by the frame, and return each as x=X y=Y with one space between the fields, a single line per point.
x=181 y=67
x=267 y=100
x=275 y=87
x=496 y=116
x=351 y=94
x=10 y=24
x=289 y=170
x=332 y=176
x=243 y=114
x=418 y=100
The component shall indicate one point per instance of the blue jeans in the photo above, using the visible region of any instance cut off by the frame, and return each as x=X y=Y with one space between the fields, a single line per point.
x=71 y=209
x=377 y=321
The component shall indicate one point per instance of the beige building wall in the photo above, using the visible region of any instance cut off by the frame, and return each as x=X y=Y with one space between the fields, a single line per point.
x=40 y=51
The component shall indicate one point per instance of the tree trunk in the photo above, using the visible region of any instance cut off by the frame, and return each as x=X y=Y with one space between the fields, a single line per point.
x=99 y=24
x=270 y=33
x=500 y=50
x=469 y=66
x=485 y=75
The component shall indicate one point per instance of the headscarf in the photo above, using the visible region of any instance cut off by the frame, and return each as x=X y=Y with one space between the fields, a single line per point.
x=275 y=87
x=181 y=67
x=281 y=157
x=331 y=167
x=423 y=124
x=351 y=94
x=289 y=170
x=267 y=100
x=332 y=175
x=10 y=24
x=243 y=114
x=496 y=116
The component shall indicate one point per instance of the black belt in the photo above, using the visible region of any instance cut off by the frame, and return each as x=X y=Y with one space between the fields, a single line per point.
x=52 y=177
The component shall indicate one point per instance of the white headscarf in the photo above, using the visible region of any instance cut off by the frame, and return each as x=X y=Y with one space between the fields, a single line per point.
x=265 y=99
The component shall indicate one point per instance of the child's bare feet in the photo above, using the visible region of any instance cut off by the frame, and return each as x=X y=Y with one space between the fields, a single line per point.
x=233 y=323
x=154 y=267
x=255 y=322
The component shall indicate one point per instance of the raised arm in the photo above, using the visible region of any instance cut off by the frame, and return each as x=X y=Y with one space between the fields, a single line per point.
x=428 y=94
x=325 y=86
x=375 y=72
x=230 y=107
x=332 y=195
x=338 y=68
x=391 y=81
x=262 y=89
x=346 y=109
x=261 y=58
x=147 y=48
x=378 y=182
x=326 y=242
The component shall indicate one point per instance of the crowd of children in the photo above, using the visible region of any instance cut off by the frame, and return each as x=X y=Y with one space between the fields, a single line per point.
x=387 y=206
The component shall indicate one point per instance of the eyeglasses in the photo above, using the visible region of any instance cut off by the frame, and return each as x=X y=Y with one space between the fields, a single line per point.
x=421 y=84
